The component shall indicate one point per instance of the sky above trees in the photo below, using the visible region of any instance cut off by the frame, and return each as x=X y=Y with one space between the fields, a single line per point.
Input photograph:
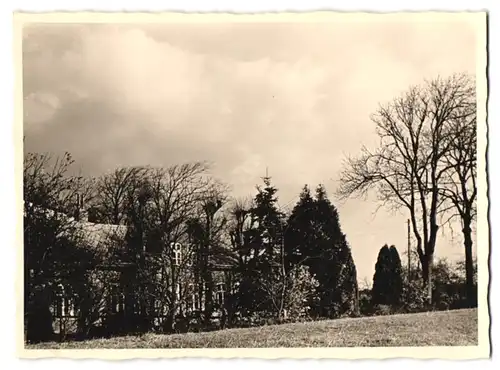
x=295 y=98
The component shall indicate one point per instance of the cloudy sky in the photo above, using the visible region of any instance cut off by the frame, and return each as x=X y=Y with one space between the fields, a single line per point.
x=293 y=97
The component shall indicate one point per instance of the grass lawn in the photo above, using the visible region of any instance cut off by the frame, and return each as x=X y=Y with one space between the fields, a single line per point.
x=458 y=328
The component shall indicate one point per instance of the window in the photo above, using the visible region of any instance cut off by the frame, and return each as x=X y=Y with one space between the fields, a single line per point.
x=63 y=304
x=177 y=253
x=114 y=302
x=196 y=302
x=59 y=308
x=193 y=300
x=219 y=294
x=69 y=308
x=121 y=302
x=178 y=291
x=117 y=301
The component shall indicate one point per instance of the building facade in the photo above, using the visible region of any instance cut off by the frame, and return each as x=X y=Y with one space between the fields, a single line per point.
x=157 y=286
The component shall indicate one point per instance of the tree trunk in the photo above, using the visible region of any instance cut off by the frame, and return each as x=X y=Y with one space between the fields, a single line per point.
x=207 y=274
x=427 y=264
x=469 y=265
x=168 y=324
x=207 y=287
x=208 y=298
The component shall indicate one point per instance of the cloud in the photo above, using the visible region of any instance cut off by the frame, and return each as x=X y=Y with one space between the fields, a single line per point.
x=40 y=107
x=291 y=97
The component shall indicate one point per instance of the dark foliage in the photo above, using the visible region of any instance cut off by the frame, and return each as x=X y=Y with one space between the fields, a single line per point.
x=387 y=280
x=314 y=237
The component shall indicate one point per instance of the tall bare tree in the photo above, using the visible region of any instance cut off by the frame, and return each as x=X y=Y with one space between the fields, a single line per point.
x=460 y=187
x=239 y=224
x=408 y=167
x=176 y=195
x=212 y=222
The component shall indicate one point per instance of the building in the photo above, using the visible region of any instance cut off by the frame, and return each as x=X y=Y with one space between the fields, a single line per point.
x=175 y=288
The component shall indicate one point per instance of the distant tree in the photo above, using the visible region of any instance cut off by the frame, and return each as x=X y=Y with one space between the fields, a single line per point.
x=387 y=280
x=381 y=279
x=450 y=285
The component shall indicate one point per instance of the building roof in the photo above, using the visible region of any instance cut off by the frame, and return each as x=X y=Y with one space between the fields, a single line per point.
x=222 y=258
x=102 y=237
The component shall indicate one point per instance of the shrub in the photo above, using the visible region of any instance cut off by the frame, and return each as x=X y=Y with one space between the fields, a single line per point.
x=382 y=310
x=300 y=293
x=414 y=298
x=365 y=303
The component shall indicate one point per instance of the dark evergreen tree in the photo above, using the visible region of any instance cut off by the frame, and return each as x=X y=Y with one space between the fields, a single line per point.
x=339 y=292
x=397 y=276
x=300 y=233
x=314 y=237
x=382 y=277
x=263 y=242
x=387 y=280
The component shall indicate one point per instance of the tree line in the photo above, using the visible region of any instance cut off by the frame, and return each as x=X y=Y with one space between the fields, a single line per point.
x=171 y=228
x=169 y=235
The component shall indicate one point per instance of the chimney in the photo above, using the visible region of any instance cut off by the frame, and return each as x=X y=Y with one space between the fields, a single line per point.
x=84 y=215
x=81 y=213
x=77 y=207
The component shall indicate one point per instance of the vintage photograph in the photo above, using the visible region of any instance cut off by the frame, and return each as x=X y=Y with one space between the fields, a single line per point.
x=230 y=181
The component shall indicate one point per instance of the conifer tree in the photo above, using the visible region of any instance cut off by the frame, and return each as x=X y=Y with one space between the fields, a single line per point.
x=300 y=233
x=397 y=276
x=314 y=237
x=381 y=278
x=387 y=280
x=264 y=242
x=339 y=295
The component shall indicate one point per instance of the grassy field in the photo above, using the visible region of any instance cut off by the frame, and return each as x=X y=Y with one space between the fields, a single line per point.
x=444 y=328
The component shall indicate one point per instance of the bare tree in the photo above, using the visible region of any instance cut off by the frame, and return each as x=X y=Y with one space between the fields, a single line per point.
x=156 y=205
x=112 y=191
x=176 y=194
x=459 y=184
x=408 y=167
x=211 y=226
x=240 y=222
